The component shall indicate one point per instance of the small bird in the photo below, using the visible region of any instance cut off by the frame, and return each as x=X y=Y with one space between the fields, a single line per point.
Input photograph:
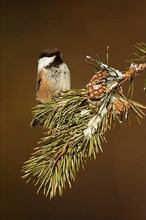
x=53 y=77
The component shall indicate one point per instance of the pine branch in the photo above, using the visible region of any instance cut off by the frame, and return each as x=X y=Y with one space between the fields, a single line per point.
x=76 y=124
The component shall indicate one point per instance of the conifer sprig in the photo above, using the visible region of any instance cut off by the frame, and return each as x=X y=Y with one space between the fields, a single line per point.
x=75 y=126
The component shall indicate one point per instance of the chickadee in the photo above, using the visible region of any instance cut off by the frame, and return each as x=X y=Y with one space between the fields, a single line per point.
x=53 y=77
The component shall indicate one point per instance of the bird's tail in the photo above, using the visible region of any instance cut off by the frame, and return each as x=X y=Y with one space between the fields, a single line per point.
x=34 y=122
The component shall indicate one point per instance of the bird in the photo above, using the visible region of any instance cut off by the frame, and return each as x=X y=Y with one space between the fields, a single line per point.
x=53 y=77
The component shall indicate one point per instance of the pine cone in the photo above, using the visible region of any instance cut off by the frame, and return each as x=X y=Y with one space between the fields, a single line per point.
x=96 y=88
x=129 y=73
x=120 y=106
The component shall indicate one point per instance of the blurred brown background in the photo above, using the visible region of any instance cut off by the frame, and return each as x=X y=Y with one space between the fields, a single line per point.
x=113 y=186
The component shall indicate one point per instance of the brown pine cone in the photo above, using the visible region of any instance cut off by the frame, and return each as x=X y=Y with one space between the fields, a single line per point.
x=96 y=88
x=120 y=106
